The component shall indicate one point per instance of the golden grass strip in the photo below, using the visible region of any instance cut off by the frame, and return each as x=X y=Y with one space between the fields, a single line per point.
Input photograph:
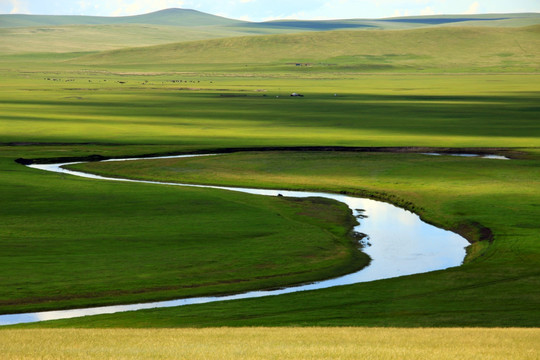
x=271 y=343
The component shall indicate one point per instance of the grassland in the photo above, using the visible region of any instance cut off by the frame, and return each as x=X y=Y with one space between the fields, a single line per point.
x=82 y=38
x=496 y=287
x=170 y=17
x=209 y=111
x=99 y=243
x=282 y=343
x=466 y=49
x=193 y=18
x=177 y=98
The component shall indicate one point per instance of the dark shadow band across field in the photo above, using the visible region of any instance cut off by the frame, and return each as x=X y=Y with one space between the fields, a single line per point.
x=420 y=120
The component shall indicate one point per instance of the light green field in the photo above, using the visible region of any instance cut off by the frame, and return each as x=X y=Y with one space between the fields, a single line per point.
x=209 y=111
x=454 y=49
x=280 y=343
x=23 y=34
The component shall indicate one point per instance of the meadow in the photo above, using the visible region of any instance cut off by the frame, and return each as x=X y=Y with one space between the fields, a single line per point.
x=212 y=111
x=495 y=287
x=95 y=243
x=72 y=242
x=495 y=194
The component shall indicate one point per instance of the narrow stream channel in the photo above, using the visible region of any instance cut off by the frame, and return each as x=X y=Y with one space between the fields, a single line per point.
x=398 y=242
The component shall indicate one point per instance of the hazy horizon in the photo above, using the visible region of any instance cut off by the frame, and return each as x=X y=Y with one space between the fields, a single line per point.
x=264 y=10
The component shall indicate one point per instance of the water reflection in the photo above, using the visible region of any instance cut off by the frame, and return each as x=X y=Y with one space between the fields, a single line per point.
x=496 y=157
x=400 y=244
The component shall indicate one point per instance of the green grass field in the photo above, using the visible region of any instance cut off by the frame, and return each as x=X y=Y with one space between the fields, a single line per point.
x=496 y=287
x=102 y=243
x=220 y=111
x=465 y=49
x=72 y=242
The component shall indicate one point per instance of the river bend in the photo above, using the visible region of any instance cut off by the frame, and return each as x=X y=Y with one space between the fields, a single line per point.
x=398 y=242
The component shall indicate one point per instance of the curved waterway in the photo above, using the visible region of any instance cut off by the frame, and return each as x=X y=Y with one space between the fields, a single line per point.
x=398 y=242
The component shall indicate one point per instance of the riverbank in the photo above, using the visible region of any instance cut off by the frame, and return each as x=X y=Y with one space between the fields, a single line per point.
x=503 y=152
x=496 y=287
x=423 y=248
x=97 y=243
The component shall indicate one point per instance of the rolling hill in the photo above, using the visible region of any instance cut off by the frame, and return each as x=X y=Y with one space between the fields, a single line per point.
x=20 y=34
x=409 y=22
x=443 y=48
x=172 y=17
x=187 y=17
x=78 y=38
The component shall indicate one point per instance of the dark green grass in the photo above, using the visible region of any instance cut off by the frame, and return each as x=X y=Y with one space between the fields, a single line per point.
x=498 y=285
x=69 y=242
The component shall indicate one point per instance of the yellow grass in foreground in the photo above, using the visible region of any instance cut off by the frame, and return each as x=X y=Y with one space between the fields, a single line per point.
x=271 y=343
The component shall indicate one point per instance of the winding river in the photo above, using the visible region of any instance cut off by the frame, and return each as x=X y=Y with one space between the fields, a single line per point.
x=399 y=244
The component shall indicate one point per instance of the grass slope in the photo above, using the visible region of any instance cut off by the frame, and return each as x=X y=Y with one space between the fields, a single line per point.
x=436 y=49
x=187 y=17
x=45 y=34
x=408 y=22
x=76 y=38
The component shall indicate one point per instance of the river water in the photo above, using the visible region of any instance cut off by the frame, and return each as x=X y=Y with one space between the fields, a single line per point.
x=398 y=242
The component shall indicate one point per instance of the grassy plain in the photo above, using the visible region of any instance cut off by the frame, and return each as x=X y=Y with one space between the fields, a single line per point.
x=70 y=242
x=216 y=110
x=280 y=343
x=496 y=287
x=55 y=105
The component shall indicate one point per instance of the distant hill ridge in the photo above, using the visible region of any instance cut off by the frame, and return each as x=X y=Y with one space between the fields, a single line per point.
x=187 y=17
x=170 y=17
x=443 y=48
x=24 y=34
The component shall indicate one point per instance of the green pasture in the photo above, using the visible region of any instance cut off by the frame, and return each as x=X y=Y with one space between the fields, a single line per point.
x=214 y=110
x=495 y=287
x=77 y=38
x=445 y=49
x=450 y=49
x=69 y=242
